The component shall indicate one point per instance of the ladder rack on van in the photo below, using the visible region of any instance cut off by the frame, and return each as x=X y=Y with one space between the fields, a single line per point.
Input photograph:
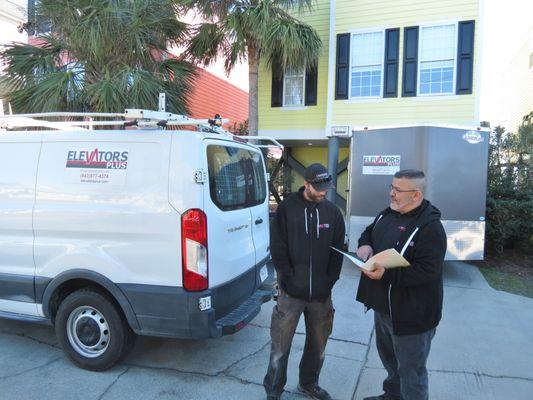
x=133 y=118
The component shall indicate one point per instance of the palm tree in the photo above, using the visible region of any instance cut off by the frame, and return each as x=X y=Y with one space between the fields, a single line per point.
x=256 y=31
x=101 y=55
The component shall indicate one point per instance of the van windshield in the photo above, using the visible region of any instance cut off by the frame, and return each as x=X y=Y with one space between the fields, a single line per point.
x=236 y=177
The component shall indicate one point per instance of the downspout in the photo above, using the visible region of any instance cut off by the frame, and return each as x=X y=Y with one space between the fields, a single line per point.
x=331 y=66
x=478 y=59
x=333 y=142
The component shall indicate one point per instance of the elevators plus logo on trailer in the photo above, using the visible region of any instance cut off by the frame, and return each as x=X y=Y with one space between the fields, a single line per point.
x=97 y=166
x=381 y=164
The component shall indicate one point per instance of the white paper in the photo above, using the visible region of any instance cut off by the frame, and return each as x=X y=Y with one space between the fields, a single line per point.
x=389 y=258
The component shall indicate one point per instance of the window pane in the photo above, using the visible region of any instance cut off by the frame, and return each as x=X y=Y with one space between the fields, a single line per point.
x=367 y=64
x=367 y=49
x=294 y=88
x=366 y=81
x=437 y=53
x=447 y=87
x=424 y=88
x=236 y=177
x=436 y=77
x=437 y=43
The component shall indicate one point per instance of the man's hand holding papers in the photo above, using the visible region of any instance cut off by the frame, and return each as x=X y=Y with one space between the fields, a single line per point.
x=375 y=266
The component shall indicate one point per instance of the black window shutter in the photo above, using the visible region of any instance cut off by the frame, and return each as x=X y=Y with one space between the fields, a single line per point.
x=342 y=68
x=410 y=61
x=392 y=52
x=276 y=99
x=311 y=76
x=465 y=57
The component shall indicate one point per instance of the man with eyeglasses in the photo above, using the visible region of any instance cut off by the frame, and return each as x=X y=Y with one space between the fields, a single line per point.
x=407 y=302
x=305 y=227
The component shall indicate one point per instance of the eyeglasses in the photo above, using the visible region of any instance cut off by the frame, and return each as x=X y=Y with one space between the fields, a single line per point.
x=397 y=190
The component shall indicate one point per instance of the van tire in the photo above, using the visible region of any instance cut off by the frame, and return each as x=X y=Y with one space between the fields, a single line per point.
x=92 y=330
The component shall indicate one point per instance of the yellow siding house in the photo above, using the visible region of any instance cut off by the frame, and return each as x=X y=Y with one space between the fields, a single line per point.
x=385 y=63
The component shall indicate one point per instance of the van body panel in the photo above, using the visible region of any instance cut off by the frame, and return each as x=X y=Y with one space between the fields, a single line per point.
x=186 y=158
x=174 y=312
x=112 y=221
x=20 y=307
x=19 y=156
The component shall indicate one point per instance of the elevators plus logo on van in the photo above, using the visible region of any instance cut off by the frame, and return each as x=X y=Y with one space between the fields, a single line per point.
x=97 y=166
x=381 y=164
x=97 y=159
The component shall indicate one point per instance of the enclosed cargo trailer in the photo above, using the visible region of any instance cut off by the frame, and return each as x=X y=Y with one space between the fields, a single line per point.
x=455 y=161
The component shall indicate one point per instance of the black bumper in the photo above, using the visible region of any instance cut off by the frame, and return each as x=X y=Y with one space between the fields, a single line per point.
x=173 y=312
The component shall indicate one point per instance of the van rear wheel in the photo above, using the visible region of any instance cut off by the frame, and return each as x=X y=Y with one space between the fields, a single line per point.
x=92 y=330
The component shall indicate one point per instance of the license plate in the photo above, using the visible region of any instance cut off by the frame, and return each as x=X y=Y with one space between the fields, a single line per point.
x=263 y=273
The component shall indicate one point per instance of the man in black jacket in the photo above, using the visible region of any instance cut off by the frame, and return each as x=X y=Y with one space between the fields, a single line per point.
x=305 y=227
x=407 y=302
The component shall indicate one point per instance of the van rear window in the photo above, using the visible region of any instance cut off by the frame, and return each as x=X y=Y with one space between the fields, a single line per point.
x=236 y=177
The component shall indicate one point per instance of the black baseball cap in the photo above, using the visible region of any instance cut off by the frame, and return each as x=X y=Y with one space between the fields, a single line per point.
x=318 y=176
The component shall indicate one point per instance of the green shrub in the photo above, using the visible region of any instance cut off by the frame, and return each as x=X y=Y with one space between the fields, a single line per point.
x=510 y=191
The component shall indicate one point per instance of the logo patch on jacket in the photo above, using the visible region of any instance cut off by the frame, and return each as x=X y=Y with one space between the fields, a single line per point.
x=323 y=226
x=411 y=244
x=402 y=228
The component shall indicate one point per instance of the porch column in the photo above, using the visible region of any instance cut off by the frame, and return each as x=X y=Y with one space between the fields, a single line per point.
x=333 y=160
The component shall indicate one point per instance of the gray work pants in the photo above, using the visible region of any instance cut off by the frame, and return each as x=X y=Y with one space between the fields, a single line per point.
x=318 y=323
x=404 y=358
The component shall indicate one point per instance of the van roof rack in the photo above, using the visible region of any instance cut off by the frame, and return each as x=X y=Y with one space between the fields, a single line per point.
x=132 y=117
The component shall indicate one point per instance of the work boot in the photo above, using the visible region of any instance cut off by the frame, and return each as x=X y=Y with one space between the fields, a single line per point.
x=273 y=397
x=382 y=397
x=314 y=392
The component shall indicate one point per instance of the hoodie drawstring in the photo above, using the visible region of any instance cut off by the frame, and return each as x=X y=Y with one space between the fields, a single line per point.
x=317 y=223
x=306 y=230
x=408 y=241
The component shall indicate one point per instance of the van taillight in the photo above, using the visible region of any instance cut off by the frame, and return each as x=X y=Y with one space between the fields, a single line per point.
x=194 y=250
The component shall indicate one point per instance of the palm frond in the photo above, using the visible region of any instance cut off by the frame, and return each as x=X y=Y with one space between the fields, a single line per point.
x=213 y=9
x=289 y=43
x=206 y=43
x=102 y=55
x=301 y=6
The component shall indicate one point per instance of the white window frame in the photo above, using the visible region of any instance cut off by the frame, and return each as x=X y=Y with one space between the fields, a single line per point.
x=454 y=22
x=366 y=98
x=302 y=71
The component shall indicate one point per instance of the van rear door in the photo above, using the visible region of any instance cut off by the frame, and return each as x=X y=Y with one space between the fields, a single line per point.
x=227 y=201
x=260 y=222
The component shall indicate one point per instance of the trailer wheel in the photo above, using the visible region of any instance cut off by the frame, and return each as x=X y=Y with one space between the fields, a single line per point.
x=92 y=330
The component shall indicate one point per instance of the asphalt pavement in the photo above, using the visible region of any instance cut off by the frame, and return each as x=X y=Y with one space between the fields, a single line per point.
x=482 y=350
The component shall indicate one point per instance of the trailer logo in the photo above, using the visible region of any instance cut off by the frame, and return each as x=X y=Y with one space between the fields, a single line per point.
x=381 y=160
x=473 y=137
x=97 y=159
x=381 y=164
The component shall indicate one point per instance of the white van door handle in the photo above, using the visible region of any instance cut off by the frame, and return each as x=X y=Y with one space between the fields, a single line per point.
x=259 y=221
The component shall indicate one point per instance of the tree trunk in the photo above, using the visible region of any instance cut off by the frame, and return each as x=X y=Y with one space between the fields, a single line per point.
x=253 y=101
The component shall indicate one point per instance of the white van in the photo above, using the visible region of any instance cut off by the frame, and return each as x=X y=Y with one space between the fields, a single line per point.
x=111 y=233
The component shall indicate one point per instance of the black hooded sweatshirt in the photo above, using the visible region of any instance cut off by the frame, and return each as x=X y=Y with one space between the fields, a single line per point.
x=301 y=236
x=411 y=295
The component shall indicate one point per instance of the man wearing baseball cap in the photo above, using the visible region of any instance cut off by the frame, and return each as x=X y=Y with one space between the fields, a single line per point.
x=305 y=227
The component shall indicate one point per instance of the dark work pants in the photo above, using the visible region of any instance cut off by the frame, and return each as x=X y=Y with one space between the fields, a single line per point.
x=404 y=358
x=318 y=323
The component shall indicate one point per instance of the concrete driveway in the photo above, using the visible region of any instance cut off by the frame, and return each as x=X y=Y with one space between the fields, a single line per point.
x=482 y=350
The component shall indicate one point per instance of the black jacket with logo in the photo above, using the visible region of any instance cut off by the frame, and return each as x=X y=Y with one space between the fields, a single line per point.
x=411 y=295
x=301 y=235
